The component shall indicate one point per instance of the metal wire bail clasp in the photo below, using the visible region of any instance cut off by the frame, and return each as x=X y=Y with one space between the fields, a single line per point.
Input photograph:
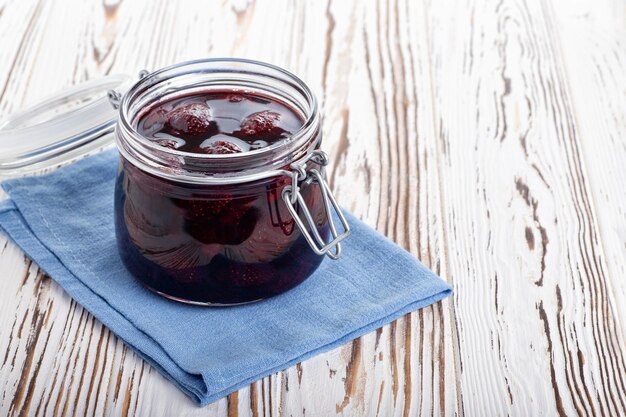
x=291 y=196
x=115 y=97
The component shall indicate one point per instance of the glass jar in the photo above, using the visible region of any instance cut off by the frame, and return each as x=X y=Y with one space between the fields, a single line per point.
x=222 y=229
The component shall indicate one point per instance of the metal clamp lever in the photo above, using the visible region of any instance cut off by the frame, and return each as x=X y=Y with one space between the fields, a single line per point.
x=115 y=97
x=291 y=195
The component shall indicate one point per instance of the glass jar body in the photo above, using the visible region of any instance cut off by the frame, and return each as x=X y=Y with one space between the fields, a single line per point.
x=213 y=244
x=228 y=228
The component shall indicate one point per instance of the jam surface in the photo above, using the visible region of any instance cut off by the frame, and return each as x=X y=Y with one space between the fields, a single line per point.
x=219 y=122
x=224 y=244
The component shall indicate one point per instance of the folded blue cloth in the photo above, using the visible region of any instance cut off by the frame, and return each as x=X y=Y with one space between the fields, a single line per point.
x=64 y=222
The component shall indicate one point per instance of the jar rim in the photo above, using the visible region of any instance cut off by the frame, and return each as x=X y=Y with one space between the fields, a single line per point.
x=226 y=162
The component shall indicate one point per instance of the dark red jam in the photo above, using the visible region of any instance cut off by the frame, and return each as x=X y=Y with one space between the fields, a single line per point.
x=222 y=244
x=219 y=123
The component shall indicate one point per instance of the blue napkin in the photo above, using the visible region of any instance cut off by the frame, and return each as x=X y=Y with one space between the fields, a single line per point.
x=64 y=222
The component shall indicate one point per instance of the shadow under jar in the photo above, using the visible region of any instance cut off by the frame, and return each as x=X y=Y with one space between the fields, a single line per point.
x=219 y=228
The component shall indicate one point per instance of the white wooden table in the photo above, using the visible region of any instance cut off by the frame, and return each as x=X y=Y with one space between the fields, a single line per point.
x=486 y=137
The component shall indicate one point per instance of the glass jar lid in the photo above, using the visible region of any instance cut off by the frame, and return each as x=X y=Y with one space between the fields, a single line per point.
x=70 y=123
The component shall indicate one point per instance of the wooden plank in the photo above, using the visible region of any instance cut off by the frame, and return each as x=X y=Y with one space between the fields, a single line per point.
x=534 y=308
x=594 y=58
x=369 y=64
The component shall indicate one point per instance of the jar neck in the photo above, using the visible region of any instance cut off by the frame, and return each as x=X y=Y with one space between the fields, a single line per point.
x=201 y=76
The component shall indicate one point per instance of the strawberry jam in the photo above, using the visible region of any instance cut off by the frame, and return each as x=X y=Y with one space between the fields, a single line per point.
x=215 y=243
x=220 y=122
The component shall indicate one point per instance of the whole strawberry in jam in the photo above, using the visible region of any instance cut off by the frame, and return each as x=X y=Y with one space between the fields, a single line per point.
x=219 y=217
x=168 y=141
x=190 y=121
x=223 y=148
x=263 y=124
x=230 y=227
x=222 y=145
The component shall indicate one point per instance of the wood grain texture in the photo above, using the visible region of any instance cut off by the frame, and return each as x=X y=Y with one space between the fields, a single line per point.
x=535 y=313
x=593 y=45
x=487 y=138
